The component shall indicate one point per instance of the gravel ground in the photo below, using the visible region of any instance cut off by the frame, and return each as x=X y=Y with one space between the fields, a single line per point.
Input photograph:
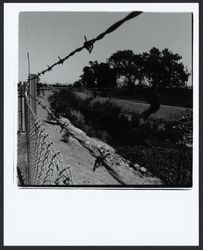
x=81 y=161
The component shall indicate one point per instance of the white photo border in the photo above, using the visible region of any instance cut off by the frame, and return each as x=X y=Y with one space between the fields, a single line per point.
x=93 y=217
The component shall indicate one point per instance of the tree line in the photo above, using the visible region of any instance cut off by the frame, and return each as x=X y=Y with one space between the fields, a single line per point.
x=124 y=68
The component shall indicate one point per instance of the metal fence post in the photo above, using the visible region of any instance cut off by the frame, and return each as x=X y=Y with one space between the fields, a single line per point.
x=26 y=118
x=20 y=107
x=33 y=92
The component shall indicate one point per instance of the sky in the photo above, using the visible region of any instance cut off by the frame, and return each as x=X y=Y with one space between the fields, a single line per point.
x=47 y=35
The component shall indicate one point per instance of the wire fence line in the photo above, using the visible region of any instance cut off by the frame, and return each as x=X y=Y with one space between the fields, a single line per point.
x=88 y=45
x=44 y=164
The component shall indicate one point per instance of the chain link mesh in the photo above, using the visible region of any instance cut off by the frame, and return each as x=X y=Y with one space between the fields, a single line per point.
x=45 y=165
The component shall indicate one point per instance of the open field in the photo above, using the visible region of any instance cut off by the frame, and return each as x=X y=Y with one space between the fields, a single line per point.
x=166 y=113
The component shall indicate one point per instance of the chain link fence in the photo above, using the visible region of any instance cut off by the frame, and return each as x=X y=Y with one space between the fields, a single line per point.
x=44 y=163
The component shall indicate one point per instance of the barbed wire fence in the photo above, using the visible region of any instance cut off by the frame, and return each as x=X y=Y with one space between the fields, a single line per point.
x=44 y=164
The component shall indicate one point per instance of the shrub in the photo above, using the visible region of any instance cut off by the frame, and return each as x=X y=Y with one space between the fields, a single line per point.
x=173 y=166
x=105 y=115
x=135 y=120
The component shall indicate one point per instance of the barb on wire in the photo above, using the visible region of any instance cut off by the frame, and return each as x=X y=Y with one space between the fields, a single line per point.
x=49 y=68
x=88 y=45
x=61 y=61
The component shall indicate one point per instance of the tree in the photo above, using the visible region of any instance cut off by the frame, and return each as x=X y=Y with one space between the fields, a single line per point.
x=123 y=65
x=164 y=69
x=98 y=75
x=77 y=84
x=88 y=77
x=128 y=66
x=140 y=68
x=105 y=76
x=157 y=68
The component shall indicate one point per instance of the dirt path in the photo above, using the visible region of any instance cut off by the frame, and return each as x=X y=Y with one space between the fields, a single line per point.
x=82 y=162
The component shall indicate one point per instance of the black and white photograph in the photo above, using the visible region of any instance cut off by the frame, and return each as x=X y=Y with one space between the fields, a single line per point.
x=105 y=99
x=101 y=124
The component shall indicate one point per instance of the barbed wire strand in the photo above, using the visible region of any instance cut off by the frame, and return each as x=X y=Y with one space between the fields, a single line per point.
x=88 y=45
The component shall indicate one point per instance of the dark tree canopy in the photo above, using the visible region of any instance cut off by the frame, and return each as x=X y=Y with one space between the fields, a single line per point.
x=124 y=64
x=77 y=84
x=162 y=69
x=98 y=75
x=157 y=68
x=88 y=77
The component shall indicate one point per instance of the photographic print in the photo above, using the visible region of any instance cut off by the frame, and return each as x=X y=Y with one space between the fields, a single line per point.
x=105 y=99
x=101 y=124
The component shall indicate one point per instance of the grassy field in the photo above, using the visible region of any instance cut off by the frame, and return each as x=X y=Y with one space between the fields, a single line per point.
x=166 y=113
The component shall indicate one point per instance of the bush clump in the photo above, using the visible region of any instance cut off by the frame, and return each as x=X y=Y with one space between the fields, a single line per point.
x=173 y=166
